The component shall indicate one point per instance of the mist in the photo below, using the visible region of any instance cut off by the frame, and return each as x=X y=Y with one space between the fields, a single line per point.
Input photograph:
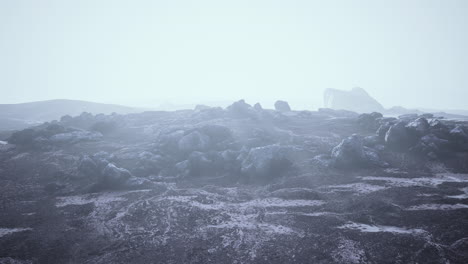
x=248 y=131
x=148 y=53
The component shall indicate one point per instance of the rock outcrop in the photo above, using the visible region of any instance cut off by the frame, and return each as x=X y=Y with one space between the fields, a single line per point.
x=357 y=100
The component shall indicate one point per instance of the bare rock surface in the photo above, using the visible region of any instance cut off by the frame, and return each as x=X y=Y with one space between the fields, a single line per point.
x=237 y=185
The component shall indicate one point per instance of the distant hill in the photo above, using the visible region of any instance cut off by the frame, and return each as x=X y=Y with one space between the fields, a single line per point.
x=19 y=116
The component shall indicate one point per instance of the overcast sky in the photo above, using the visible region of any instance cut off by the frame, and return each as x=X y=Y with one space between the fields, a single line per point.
x=412 y=53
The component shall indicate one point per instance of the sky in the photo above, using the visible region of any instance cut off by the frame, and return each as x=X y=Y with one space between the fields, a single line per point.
x=412 y=53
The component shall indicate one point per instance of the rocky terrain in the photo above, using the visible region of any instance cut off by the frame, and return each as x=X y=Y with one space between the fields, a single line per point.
x=236 y=185
x=21 y=116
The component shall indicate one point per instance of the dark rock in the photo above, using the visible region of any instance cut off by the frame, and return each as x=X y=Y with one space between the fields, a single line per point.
x=217 y=133
x=431 y=146
x=420 y=126
x=369 y=121
x=458 y=133
x=382 y=131
x=282 y=106
x=241 y=109
x=258 y=107
x=268 y=162
x=398 y=138
x=351 y=153
x=87 y=166
x=114 y=177
x=195 y=141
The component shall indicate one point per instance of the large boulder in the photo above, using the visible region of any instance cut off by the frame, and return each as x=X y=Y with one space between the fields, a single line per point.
x=431 y=146
x=216 y=133
x=208 y=165
x=357 y=100
x=114 y=177
x=241 y=109
x=194 y=141
x=458 y=133
x=399 y=138
x=88 y=167
x=351 y=153
x=258 y=107
x=265 y=163
x=282 y=106
x=369 y=121
x=419 y=126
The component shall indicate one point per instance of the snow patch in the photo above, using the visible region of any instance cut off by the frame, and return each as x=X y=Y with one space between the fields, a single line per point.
x=443 y=207
x=379 y=229
x=361 y=188
x=7 y=231
x=422 y=181
x=460 y=196
x=86 y=199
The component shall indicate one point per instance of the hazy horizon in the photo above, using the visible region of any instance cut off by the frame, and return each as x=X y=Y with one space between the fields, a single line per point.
x=139 y=53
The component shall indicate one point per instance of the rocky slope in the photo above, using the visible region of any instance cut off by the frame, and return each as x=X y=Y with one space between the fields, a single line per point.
x=236 y=185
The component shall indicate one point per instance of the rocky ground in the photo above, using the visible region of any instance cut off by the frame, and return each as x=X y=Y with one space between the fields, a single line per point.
x=236 y=185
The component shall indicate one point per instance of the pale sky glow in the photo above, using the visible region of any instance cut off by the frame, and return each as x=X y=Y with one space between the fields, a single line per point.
x=412 y=53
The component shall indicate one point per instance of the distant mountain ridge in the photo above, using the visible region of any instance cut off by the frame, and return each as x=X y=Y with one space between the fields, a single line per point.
x=18 y=116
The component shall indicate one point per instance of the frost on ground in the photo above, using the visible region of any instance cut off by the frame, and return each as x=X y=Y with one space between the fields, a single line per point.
x=443 y=207
x=96 y=199
x=348 y=251
x=360 y=188
x=379 y=228
x=8 y=231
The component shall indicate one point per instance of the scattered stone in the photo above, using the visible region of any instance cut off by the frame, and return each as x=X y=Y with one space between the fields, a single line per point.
x=282 y=106
x=258 y=107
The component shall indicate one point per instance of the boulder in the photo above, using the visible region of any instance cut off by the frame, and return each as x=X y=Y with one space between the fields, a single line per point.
x=87 y=166
x=431 y=146
x=458 y=133
x=258 y=107
x=216 y=133
x=114 y=177
x=210 y=164
x=382 y=131
x=369 y=121
x=265 y=163
x=352 y=153
x=194 y=141
x=398 y=137
x=241 y=109
x=282 y=106
x=419 y=126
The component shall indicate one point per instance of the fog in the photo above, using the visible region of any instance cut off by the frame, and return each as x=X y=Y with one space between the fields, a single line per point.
x=144 y=53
